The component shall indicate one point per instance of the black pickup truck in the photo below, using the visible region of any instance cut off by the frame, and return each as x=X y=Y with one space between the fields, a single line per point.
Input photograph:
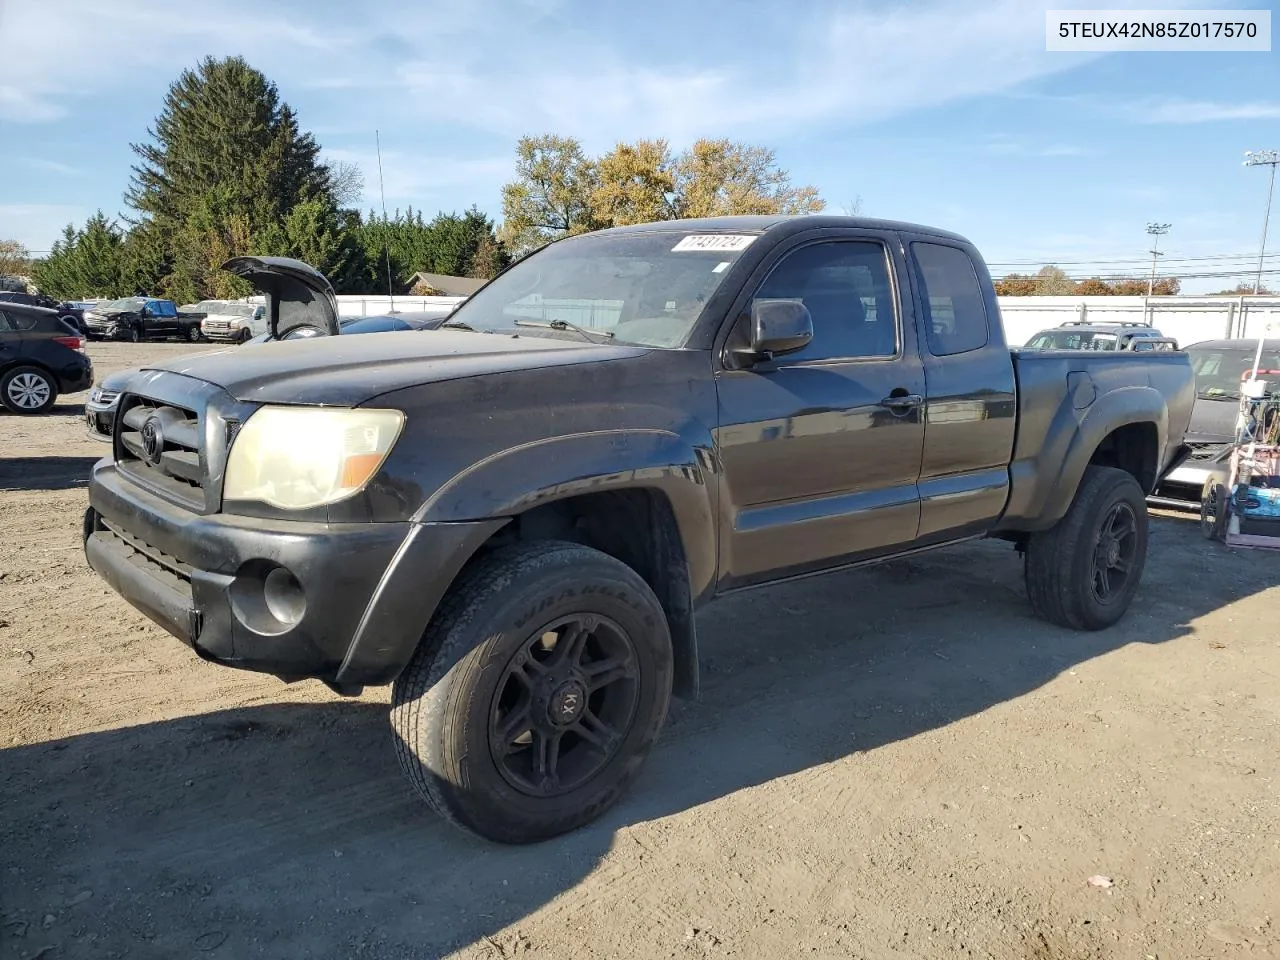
x=513 y=518
x=141 y=318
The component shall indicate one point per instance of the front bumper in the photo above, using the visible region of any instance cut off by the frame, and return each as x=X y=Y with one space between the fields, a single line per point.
x=359 y=595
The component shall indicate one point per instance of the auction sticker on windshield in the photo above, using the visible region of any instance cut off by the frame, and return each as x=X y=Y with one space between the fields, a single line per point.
x=713 y=241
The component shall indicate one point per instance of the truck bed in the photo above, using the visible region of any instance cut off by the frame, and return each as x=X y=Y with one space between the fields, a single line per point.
x=1069 y=400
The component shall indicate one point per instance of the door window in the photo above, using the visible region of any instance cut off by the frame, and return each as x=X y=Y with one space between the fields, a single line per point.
x=846 y=286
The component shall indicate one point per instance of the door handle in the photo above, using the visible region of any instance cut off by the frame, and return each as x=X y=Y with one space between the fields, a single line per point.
x=902 y=402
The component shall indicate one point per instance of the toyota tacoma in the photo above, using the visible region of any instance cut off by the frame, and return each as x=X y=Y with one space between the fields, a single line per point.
x=514 y=518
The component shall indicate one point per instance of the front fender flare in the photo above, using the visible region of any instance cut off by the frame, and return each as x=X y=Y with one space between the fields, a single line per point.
x=515 y=480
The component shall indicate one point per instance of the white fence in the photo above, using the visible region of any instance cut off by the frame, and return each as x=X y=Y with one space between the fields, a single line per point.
x=1186 y=319
x=364 y=305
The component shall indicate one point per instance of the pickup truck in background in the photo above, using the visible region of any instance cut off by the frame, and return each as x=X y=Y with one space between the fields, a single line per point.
x=233 y=322
x=141 y=318
x=514 y=517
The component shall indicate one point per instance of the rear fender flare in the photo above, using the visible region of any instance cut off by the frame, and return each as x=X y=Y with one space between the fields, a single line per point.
x=1116 y=409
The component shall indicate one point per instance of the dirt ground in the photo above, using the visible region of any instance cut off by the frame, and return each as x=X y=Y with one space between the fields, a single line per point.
x=895 y=763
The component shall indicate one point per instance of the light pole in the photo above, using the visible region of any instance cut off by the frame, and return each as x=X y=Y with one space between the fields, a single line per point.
x=1157 y=230
x=1258 y=158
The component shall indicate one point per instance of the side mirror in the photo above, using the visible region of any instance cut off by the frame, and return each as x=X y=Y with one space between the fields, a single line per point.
x=777 y=327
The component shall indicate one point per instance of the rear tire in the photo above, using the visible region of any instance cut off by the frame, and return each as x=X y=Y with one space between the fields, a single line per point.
x=537 y=692
x=27 y=390
x=1084 y=571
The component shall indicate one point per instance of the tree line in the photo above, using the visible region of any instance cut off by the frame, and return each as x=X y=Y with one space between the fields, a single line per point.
x=226 y=170
x=1052 y=281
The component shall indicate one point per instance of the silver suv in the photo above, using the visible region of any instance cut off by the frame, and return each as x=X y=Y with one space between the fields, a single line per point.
x=1101 y=336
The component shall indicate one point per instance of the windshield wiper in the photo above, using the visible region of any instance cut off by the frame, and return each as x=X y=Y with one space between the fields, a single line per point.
x=566 y=325
x=457 y=325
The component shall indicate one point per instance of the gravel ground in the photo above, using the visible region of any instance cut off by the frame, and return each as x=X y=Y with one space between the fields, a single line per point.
x=895 y=763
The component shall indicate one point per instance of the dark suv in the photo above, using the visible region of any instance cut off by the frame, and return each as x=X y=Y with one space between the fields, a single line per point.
x=71 y=312
x=41 y=356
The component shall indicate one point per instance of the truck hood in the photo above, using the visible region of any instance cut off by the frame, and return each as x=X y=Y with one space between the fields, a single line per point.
x=346 y=371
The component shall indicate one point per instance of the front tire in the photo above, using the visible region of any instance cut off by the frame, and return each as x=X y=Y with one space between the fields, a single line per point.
x=27 y=390
x=537 y=692
x=1084 y=571
x=193 y=334
x=135 y=335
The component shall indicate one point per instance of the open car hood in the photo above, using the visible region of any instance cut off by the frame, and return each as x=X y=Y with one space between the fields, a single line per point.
x=298 y=296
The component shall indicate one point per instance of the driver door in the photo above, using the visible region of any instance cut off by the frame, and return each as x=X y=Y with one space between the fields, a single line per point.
x=822 y=448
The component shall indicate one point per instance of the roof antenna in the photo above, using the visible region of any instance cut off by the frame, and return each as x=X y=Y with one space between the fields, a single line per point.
x=386 y=226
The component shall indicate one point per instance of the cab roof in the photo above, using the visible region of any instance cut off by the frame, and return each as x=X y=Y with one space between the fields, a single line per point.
x=782 y=225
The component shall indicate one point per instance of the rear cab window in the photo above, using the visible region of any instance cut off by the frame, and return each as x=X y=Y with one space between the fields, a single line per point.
x=954 y=311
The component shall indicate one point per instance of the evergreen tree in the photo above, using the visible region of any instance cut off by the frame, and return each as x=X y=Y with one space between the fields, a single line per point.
x=226 y=166
x=83 y=263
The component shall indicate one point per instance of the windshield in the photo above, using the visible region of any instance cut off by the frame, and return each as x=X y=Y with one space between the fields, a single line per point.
x=643 y=288
x=127 y=303
x=209 y=306
x=1073 y=340
x=1219 y=370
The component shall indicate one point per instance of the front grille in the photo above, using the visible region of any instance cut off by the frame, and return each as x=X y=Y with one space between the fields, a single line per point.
x=158 y=563
x=159 y=445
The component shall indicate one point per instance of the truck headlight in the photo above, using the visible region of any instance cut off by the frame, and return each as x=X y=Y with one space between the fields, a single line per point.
x=300 y=457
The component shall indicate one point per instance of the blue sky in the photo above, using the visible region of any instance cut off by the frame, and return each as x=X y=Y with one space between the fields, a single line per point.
x=947 y=113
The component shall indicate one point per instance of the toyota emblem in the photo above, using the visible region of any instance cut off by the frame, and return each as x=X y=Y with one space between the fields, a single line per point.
x=152 y=439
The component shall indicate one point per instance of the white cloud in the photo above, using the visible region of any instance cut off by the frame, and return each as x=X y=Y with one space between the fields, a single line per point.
x=509 y=67
x=1199 y=111
x=53 y=166
x=415 y=177
x=70 y=48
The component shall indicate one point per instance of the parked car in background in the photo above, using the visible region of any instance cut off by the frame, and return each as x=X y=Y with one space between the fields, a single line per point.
x=234 y=322
x=71 y=311
x=140 y=318
x=1100 y=336
x=1219 y=367
x=41 y=357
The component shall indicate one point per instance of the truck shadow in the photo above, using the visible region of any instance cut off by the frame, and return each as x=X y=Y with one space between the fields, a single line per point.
x=45 y=473
x=286 y=830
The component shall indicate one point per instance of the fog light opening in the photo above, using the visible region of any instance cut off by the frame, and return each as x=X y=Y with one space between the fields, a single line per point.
x=283 y=594
x=267 y=598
